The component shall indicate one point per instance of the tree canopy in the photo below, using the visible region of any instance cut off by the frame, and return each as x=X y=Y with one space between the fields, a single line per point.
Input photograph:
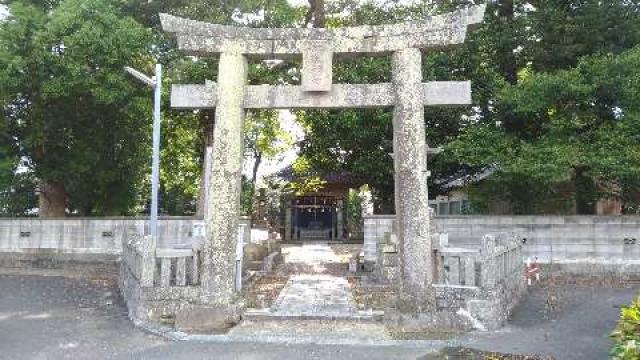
x=541 y=115
x=69 y=110
x=555 y=103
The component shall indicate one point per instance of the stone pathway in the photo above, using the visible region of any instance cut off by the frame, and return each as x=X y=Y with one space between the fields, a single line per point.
x=315 y=295
x=314 y=291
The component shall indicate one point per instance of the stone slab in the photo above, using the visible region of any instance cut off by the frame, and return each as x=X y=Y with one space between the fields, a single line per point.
x=200 y=38
x=450 y=93
x=315 y=296
x=203 y=318
x=317 y=65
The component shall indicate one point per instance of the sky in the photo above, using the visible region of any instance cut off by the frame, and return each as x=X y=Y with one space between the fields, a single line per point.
x=298 y=2
x=268 y=167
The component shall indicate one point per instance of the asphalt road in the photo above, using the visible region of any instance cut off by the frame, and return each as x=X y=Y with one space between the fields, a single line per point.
x=52 y=317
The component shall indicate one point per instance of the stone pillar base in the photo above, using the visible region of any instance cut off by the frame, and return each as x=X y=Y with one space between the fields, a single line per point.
x=419 y=315
x=208 y=318
x=431 y=324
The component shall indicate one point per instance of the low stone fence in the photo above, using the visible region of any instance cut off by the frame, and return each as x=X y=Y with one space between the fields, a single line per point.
x=480 y=285
x=160 y=284
x=474 y=287
x=155 y=282
x=573 y=243
x=481 y=278
x=557 y=239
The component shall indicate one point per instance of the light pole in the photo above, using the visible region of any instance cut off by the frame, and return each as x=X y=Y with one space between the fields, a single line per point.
x=156 y=84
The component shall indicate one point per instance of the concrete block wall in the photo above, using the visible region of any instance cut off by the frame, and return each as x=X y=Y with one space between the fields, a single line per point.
x=90 y=235
x=375 y=227
x=561 y=239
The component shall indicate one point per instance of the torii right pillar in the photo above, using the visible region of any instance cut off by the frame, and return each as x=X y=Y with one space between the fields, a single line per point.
x=412 y=200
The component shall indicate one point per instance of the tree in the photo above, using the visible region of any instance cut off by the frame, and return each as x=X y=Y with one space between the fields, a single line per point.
x=360 y=141
x=578 y=126
x=264 y=138
x=80 y=123
x=516 y=38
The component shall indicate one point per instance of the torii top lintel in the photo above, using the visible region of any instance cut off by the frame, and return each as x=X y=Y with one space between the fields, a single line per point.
x=318 y=47
x=201 y=38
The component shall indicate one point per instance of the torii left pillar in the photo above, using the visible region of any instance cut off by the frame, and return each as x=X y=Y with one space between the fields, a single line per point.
x=219 y=307
x=225 y=185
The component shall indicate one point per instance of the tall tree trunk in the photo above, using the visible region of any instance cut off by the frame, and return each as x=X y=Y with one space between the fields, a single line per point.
x=206 y=162
x=52 y=199
x=316 y=15
x=585 y=192
x=254 y=173
x=506 y=56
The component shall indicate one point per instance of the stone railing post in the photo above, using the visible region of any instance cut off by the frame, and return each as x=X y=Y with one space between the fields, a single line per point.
x=489 y=261
x=148 y=252
x=410 y=164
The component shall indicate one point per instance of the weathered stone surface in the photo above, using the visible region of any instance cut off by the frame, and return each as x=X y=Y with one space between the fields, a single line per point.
x=412 y=207
x=315 y=295
x=317 y=65
x=200 y=38
x=188 y=96
x=203 y=318
x=219 y=250
x=339 y=96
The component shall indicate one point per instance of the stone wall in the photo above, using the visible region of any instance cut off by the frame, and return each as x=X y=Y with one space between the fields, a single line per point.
x=375 y=228
x=481 y=286
x=156 y=284
x=89 y=236
x=562 y=239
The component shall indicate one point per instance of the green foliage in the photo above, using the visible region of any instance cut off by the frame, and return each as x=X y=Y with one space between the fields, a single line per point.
x=626 y=337
x=307 y=179
x=509 y=123
x=563 y=31
x=353 y=211
x=274 y=194
x=67 y=102
x=18 y=197
x=247 y=197
x=555 y=102
x=579 y=125
x=264 y=138
x=181 y=162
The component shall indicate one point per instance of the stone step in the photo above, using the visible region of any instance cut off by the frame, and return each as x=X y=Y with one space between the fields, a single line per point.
x=292 y=330
x=268 y=315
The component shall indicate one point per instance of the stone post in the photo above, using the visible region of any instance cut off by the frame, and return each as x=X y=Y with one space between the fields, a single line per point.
x=148 y=250
x=339 y=224
x=224 y=187
x=410 y=163
x=287 y=224
x=367 y=202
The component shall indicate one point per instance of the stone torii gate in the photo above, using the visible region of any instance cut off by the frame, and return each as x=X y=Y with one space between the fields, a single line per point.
x=406 y=93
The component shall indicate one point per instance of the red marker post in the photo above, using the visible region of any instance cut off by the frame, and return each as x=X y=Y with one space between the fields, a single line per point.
x=532 y=270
